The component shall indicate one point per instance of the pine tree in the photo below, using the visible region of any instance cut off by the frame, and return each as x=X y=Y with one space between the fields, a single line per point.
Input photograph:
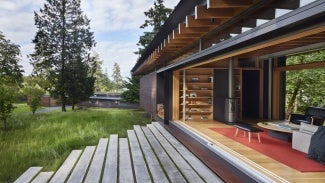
x=117 y=78
x=156 y=18
x=132 y=86
x=62 y=43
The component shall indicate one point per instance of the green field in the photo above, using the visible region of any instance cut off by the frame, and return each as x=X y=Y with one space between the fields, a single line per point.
x=46 y=139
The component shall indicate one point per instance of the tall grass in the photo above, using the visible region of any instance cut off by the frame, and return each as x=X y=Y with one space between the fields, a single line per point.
x=46 y=139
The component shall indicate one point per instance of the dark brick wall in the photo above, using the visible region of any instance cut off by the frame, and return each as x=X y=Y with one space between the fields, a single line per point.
x=148 y=93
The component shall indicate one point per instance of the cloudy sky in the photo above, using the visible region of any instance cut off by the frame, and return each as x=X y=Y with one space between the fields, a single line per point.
x=114 y=22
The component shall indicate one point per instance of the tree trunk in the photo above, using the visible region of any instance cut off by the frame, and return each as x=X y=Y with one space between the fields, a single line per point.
x=293 y=97
x=63 y=56
x=73 y=104
x=63 y=100
x=5 y=125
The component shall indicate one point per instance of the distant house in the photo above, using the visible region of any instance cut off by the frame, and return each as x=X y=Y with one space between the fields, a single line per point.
x=107 y=100
x=47 y=101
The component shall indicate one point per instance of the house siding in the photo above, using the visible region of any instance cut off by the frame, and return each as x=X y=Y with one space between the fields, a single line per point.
x=148 y=93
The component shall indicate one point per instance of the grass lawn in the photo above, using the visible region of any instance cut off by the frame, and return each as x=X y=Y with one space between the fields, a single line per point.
x=46 y=139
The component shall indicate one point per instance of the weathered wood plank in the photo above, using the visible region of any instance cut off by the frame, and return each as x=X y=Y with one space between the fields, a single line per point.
x=110 y=171
x=156 y=170
x=79 y=171
x=125 y=166
x=168 y=165
x=43 y=177
x=196 y=164
x=139 y=165
x=65 y=169
x=28 y=175
x=96 y=165
x=190 y=174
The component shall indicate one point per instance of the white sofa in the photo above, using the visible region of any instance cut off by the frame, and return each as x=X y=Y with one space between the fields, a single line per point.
x=301 y=138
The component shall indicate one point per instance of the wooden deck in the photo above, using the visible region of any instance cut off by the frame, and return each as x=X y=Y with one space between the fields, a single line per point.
x=149 y=154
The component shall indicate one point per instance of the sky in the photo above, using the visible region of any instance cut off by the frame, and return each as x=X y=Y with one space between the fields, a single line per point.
x=115 y=24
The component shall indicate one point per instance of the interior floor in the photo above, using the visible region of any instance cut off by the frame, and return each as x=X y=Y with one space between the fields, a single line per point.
x=260 y=161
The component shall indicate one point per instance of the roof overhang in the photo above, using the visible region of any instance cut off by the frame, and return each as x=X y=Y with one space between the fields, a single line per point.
x=183 y=8
x=302 y=22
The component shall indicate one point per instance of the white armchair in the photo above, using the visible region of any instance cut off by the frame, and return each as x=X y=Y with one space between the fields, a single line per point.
x=301 y=138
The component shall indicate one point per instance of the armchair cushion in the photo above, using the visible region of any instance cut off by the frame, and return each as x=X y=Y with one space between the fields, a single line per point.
x=313 y=115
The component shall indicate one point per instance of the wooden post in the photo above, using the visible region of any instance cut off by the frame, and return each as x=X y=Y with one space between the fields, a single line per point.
x=167 y=96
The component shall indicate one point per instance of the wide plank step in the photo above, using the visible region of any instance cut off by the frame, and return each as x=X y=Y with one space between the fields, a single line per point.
x=168 y=165
x=139 y=164
x=28 y=175
x=110 y=170
x=190 y=174
x=79 y=171
x=125 y=165
x=155 y=169
x=65 y=169
x=197 y=164
x=43 y=177
x=96 y=165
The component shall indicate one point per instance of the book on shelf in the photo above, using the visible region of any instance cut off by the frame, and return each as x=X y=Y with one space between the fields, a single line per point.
x=195 y=79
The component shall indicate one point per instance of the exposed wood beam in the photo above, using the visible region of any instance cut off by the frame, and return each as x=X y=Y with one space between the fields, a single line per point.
x=228 y=3
x=192 y=22
x=286 y=4
x=266 y=14
x=201 y=12
x=182 y=29
x=176 y=35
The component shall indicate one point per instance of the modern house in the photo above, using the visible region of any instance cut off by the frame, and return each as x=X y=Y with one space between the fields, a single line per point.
x=225 y=61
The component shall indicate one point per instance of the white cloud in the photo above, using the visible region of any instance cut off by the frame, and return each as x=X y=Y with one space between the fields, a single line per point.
x=26 y=50
x=17 y=24
x=115 y=14
x=119 y=52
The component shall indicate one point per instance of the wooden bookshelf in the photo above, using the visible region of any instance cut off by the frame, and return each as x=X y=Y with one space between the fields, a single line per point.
x=196 y=94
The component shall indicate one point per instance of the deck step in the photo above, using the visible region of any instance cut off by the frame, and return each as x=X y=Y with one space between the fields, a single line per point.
x=79 y=171
x=111 y=164
x=156 y=170
x=197 y=164
x=168 y=165
x=125 y=166
x=28 y=175
x=149 y=154
x=139 y=164
x=183 y=166
x=43 y=177
x=97 y=163
x=63 y=172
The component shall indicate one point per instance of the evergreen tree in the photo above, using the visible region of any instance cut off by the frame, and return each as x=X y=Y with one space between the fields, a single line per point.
x=132 y=86
x=10 y=77
x=62 y=43
x=102 y=83
x=117 y=78
x=156 y=15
